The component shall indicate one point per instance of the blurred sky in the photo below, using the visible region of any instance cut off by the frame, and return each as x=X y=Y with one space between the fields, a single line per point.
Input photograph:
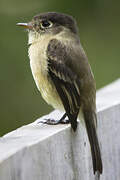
x=99 y=29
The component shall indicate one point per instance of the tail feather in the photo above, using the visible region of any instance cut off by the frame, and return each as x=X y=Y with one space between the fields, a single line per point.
x=90 y=118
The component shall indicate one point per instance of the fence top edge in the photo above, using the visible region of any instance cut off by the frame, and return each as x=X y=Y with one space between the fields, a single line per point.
x=108 y=96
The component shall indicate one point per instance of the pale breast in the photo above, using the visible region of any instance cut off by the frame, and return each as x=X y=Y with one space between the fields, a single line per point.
x=39 y=67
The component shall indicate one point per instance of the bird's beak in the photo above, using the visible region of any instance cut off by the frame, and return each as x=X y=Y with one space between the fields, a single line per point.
x=25 y=25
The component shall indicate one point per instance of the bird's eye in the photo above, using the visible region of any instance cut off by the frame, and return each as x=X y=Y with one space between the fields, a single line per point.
x=46 y=24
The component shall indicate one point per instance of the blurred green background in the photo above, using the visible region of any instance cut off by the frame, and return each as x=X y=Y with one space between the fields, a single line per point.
x=99 y=28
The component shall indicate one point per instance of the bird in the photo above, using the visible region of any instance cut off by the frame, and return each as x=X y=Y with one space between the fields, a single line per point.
x=63 y=74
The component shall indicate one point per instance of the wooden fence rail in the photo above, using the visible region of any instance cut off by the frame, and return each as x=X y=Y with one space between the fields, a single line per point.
x=43 y=152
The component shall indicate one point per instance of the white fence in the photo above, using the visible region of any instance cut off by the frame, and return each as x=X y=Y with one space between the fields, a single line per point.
x=45 y=152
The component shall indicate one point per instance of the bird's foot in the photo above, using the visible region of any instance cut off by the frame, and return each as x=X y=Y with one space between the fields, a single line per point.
x=54 y=122
x=64 y=121
x=51 y=121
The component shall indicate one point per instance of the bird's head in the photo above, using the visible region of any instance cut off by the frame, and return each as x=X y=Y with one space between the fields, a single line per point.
x=50 y=23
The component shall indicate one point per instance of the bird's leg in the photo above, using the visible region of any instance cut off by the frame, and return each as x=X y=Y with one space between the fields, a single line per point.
x=62 y=120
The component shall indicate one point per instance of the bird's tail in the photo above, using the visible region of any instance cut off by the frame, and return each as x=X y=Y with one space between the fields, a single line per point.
x=90 y=122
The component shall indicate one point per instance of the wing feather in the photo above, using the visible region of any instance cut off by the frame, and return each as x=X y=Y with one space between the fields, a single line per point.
x=66 y=83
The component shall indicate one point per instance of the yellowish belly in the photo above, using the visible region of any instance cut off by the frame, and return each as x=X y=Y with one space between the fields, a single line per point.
x=48 y=91
x=39 y=69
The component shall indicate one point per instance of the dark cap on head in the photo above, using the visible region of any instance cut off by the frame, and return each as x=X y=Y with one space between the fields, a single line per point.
x=59 y=19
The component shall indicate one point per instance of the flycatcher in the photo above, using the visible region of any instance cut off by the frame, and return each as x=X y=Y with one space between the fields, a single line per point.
x=62 y=73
